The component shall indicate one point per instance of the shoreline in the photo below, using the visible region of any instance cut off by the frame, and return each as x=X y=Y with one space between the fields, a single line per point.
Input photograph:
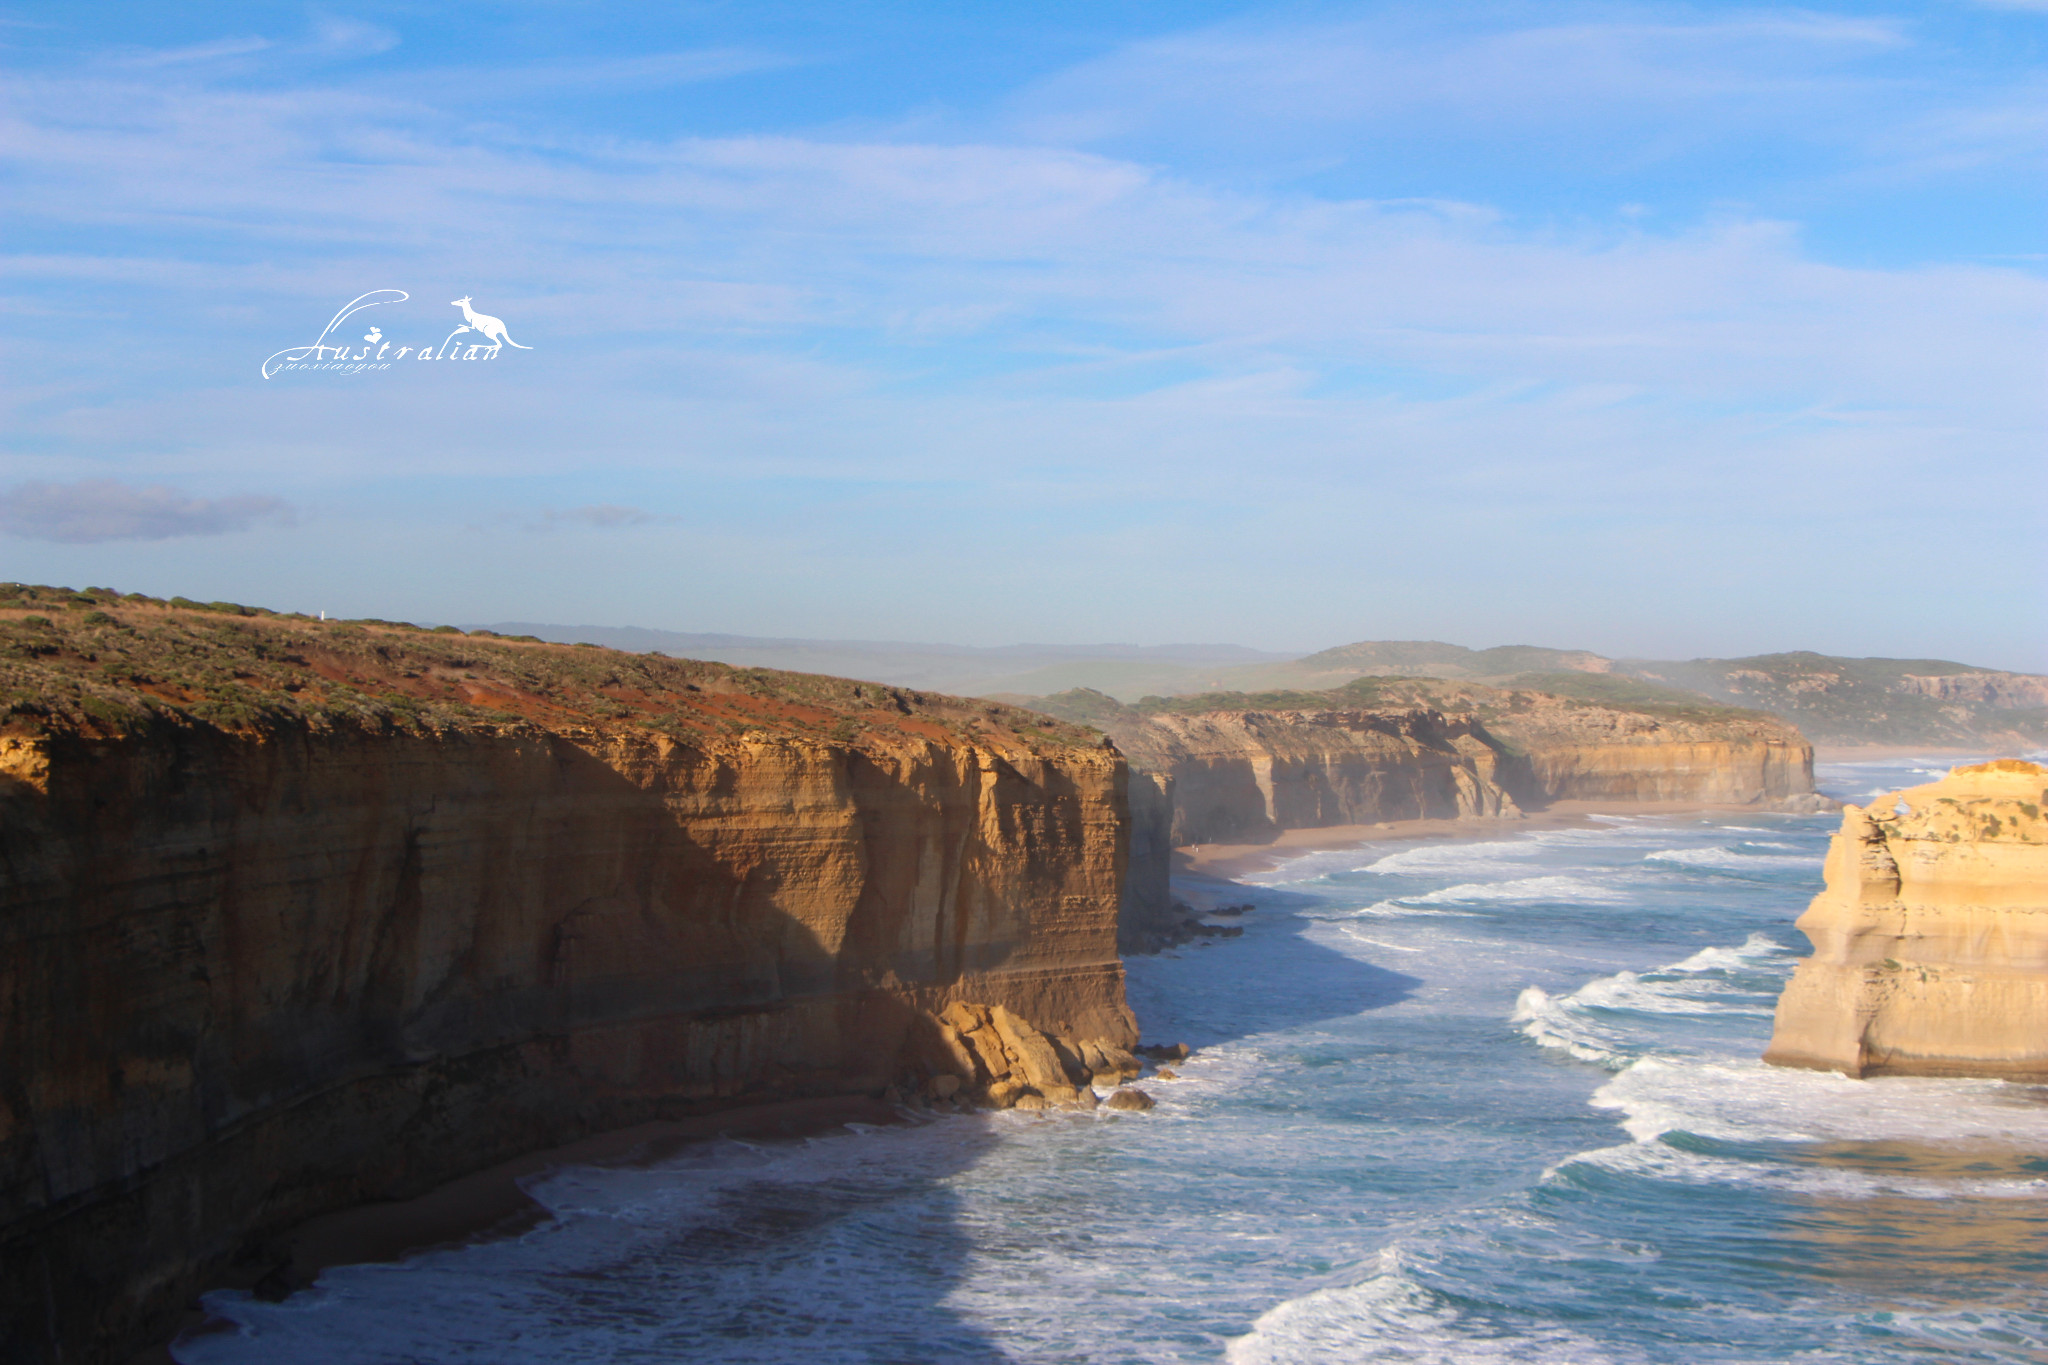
x=1228 y=862
x=491 y=1203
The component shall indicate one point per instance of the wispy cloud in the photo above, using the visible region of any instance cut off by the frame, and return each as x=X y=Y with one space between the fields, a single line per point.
x=95 y=510
x=597 y=517
x=216 y=50
x=1047 y=342
x=334 y=36
x=1254 y=79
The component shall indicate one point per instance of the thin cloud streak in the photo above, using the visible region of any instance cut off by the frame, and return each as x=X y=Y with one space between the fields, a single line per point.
x=96 y=510
x=980 y=344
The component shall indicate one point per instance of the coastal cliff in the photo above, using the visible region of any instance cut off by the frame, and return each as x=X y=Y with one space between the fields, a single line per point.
x=1930 y=943
x=1244 y=768
x=301 y=914
x=1567 y=750
x=1241 y=776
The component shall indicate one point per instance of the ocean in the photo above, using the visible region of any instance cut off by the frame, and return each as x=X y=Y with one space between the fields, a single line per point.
x=1495 y=1099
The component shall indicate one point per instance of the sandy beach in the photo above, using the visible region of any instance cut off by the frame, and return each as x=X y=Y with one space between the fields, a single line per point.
x=1877 y=753
x=1226 y=862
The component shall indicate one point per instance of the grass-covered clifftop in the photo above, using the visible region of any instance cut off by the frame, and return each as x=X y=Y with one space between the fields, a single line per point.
x=1837 y=700
x=101 y=663
x=1831 y=699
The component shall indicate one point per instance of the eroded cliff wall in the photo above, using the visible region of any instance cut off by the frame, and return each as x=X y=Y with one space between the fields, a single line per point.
x=1147 y=918
x=1425 y=748
x=1930 y=943
x=1562 y=751
x=293 y=917
x=1242 y=776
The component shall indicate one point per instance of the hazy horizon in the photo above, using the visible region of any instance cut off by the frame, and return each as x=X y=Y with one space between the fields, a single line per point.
x=1659 y=331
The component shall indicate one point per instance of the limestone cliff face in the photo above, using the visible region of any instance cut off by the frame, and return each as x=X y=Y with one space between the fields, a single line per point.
x=1242 y=776
x=251 y=974
x=1930 y=943
x=1426 y=748
x=1568 y=752
x=1147 y=918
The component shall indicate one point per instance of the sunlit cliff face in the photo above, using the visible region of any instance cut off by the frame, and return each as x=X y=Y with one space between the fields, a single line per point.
x=1931 y=939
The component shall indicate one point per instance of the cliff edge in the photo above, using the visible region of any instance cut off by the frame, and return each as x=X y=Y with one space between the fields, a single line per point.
x=1930 y=943
x=299 y=914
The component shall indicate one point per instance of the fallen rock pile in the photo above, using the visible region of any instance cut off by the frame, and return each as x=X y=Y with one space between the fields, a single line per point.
x=987 y=1056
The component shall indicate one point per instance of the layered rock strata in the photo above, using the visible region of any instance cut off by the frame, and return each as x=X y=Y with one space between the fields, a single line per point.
x=1930 y=943
x=1561 y=750
x=1429 y=749
x=1147 y=918
x=296 y=915
x=1241 y=776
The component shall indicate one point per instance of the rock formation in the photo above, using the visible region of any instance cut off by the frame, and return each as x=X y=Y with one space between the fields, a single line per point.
x=1147 y=918
x=991 y=1054
x=1243 y=769
x=1566 y=750
x=1930 y=943
x=295 y=915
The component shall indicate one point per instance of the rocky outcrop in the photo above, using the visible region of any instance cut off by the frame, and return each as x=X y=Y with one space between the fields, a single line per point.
x=973 y=1053
x=294 y=916
x=1930 y=943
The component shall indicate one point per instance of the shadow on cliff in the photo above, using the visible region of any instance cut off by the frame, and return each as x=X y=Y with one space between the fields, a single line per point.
x=1274 y=977
x=440 y=953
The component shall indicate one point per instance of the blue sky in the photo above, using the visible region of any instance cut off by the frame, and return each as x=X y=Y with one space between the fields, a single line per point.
x=1650 y=329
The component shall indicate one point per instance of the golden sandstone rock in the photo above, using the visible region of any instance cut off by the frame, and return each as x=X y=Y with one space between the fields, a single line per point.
x=1000 y=1059
x=1931 y=940
x=295 y=915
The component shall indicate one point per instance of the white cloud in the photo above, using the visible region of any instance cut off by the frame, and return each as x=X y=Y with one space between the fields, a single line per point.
x=216 y=50
x=1250 y=79
x=597 y=517
x=334 y=36
x=1030 y=363
x=102 y=509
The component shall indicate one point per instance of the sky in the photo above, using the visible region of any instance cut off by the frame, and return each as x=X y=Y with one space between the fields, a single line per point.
x=1658 y=330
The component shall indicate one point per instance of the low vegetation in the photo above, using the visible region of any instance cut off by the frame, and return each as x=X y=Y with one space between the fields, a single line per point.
x=99 y=663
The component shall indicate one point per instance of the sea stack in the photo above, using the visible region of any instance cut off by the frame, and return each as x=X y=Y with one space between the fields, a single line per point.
x=1931 y=940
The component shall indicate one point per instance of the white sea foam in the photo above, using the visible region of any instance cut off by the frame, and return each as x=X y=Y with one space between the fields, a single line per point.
x=1696 y=986
x=1555 y=887
x=1351 y=932
x=1720 y=857
x=1390 y=1317
x=1743 y=1101
x=1660 y=1161
x=1755 y=948
x=1551 y=1021
x=1628 y=991
x=1452 y=858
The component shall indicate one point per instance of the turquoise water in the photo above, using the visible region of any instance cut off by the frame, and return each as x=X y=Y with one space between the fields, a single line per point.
x=1485 y=1100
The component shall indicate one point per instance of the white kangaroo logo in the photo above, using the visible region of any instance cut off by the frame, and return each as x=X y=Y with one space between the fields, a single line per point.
x=494 y=328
